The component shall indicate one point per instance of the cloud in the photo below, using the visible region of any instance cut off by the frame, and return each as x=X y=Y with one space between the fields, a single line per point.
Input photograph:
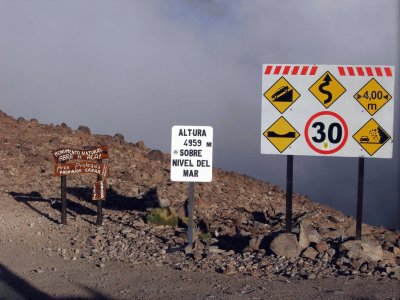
x=140 y=67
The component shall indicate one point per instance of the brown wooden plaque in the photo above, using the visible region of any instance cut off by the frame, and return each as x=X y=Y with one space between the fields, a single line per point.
x=82 y=167
x=65 y=154
x=99 y=190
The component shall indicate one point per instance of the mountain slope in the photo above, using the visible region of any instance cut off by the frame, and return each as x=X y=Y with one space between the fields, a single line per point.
x=238 y=217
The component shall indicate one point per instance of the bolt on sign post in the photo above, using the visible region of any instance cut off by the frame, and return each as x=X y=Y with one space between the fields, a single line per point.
x=327 y=110
x=191 y=161
x=88 y=161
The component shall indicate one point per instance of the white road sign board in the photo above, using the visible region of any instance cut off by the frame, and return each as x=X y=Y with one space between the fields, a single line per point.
x=191 y=153
x=327 y=110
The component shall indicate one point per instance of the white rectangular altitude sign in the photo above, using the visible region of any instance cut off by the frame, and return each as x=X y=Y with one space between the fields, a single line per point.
x=191 y=153
x=327 y=110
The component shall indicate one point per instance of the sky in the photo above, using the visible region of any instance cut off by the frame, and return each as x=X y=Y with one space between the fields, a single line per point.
x=139 y=67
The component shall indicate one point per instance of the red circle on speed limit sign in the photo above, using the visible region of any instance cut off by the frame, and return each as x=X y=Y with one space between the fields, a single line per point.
x=326 y=132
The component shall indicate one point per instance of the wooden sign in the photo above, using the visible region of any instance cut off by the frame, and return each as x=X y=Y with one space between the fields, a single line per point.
x=63 y=169
x=65 y=154
x=99 y=190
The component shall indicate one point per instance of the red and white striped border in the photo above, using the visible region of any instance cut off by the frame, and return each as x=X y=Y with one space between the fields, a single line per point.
x=378 y=71
x=290 y=70
x=365 y=71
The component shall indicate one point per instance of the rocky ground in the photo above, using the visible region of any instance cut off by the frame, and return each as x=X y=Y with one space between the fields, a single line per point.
x=239 y=236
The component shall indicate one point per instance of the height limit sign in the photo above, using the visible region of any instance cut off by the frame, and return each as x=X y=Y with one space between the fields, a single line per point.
x=191 y=153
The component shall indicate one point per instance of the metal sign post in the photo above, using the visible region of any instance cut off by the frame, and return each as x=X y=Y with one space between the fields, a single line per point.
x=64 y=200
x=289 y=193
x=99 y=202
x=190 y=213
x=360 y=194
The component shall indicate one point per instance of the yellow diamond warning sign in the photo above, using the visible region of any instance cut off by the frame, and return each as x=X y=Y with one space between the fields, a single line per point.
x=281 y=95
x=372 y=96
x=327 y=89
x=371 y=137
x=281 y=134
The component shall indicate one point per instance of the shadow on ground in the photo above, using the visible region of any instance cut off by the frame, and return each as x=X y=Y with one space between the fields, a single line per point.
x=14 y=287
x=84 y=205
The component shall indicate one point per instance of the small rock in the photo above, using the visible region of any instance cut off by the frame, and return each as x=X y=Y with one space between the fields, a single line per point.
x=126 y=230
x=310 y=253
x=164 y=202
x=188 y=249
x=140 y=145
x=396 y=272
x=230 y=269
x=322 y=247
x=331 y=252
x=311 y=276
x=396 y=251
x=254 y=243
x=215 y=249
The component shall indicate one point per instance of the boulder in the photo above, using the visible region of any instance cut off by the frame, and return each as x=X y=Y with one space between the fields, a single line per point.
x=333 y=234
x=314 y=236
x=360 y=250
x=308 y=235
x=84 y=129
x=286 y=244
x=304 y=239
x=21 y=120
x=388 y=258
x=119 y=137
x=155 y=155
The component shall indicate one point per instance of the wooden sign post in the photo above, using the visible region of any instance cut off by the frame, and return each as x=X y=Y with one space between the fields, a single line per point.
x=84 y=165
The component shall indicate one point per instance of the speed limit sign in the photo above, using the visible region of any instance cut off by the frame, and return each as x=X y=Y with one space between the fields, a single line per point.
x=326 y=132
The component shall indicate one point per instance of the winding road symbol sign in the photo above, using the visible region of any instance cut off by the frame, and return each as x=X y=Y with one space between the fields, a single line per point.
x=371 y=137
x=372 y=96
x=281 y=134
x=281 y=95
x=327 y=89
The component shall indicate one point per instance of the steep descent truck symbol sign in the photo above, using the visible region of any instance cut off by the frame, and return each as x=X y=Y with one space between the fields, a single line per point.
x=281 y=90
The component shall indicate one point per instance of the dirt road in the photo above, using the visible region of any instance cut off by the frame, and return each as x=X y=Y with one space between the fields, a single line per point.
x=27 y=271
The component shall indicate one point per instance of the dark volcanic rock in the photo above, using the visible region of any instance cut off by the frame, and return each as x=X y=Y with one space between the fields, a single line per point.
x=119 y=137
x=155 y=155
x=84 y=129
